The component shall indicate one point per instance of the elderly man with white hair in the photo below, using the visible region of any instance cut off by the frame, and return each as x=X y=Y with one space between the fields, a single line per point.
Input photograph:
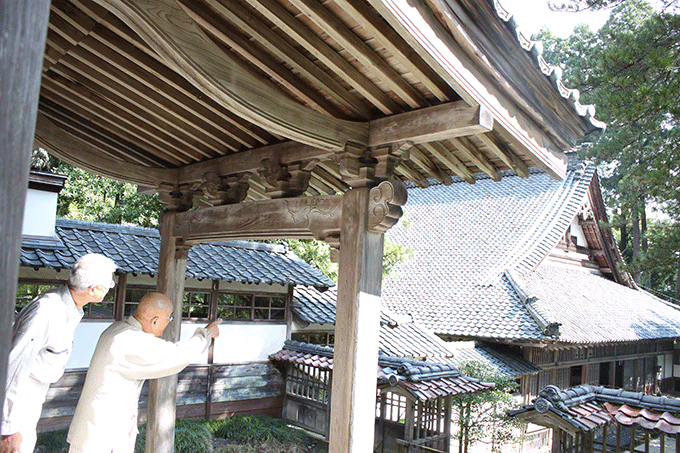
x=41 y=345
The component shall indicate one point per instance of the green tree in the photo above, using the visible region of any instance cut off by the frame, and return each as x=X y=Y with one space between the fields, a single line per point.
x=482 y=415
x=318 y=254
x=90 y=197
x=630 y=70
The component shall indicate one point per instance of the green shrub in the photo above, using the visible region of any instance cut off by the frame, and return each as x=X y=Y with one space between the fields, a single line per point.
x=52 y=442
x=257 y=428
x=191 y=436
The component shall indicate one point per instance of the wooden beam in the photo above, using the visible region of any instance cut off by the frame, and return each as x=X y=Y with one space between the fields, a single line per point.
x=454 y=119
x=302 y=217
x=285 y=153
x=166 y=27
x=89 y=158
x=22 y=47
x=317 y=217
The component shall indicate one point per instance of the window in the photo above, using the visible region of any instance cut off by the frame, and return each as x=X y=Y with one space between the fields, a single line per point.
x=236 y=306
x=26 y=292
x=196 y=305
x=132 y=297
x=103 y=309
x=320 y=338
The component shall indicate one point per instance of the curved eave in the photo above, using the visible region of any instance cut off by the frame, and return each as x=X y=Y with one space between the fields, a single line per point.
x=147 y=94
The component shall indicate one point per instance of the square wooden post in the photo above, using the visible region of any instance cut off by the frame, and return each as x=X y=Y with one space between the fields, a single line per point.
x=161 y=411
x=22 y=49
x=355 y=358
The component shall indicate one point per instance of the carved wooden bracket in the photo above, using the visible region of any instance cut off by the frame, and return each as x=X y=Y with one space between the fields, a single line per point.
x=364 y=167
x=301 y=217
x=283 y=181
x=177 y=197
x=220 y=190
x=384 y=206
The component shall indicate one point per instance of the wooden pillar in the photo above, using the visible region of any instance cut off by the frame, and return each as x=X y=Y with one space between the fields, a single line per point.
x=22 y=49
x=160 y=425
x=447 y=421
x=356 y=330
x=119 y=305
x=556 y=440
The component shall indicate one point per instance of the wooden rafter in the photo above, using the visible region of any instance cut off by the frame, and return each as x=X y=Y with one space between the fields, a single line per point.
x=293 y=27
x=330 y=23
x=174 y=36
x=452 y=162
x=376 y=27
x=505 y=154
x=235 y=13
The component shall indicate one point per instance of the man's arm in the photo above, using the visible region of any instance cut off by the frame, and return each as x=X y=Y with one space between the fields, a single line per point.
x=11 y=443
x=29 y=338
x=156 y=358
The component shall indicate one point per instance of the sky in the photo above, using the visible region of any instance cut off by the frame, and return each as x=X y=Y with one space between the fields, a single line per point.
x=533 y=14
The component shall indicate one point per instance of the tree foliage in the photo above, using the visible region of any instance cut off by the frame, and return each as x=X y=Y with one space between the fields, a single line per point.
x=630 y=69
x=482 y=415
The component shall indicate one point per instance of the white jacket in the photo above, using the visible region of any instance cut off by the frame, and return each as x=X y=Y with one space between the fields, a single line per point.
x=106 y=415
x=41 y=345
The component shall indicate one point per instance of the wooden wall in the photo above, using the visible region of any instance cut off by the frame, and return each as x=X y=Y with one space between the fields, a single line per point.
x=252 y=388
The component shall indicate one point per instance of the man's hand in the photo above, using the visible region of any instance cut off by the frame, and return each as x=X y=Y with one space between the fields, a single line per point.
x=212 y=328
x=11 y=443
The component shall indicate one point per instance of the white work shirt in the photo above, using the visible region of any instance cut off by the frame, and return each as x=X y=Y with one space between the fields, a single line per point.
x=41 y=345
x=106 y=416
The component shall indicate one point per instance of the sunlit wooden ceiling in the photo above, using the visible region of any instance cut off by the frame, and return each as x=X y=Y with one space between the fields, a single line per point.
x=318 y=76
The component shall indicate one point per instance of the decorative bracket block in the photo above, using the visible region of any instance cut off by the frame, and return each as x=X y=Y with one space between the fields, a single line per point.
x=364 y=167
x=177 y=197
x=385 y=204
x=220 y=190
x=285 y=181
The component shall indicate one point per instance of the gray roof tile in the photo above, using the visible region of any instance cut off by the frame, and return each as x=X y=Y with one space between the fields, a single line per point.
x=135 y=250
x=464 y=237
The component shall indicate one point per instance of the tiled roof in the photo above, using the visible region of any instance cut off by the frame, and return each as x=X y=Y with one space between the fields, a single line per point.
x=535 y=49
x=593 y=309
x=424 y=380
x=318 y=307
x=469 y=240
x=404 y=338
x=587 y=407
x=506 y=362
x=652 y=421
x=136 y=250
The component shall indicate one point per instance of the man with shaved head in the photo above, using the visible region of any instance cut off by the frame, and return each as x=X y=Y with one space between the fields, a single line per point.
x=128 y=353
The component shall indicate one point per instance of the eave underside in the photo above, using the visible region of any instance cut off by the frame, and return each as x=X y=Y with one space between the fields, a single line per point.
x=140 y=93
